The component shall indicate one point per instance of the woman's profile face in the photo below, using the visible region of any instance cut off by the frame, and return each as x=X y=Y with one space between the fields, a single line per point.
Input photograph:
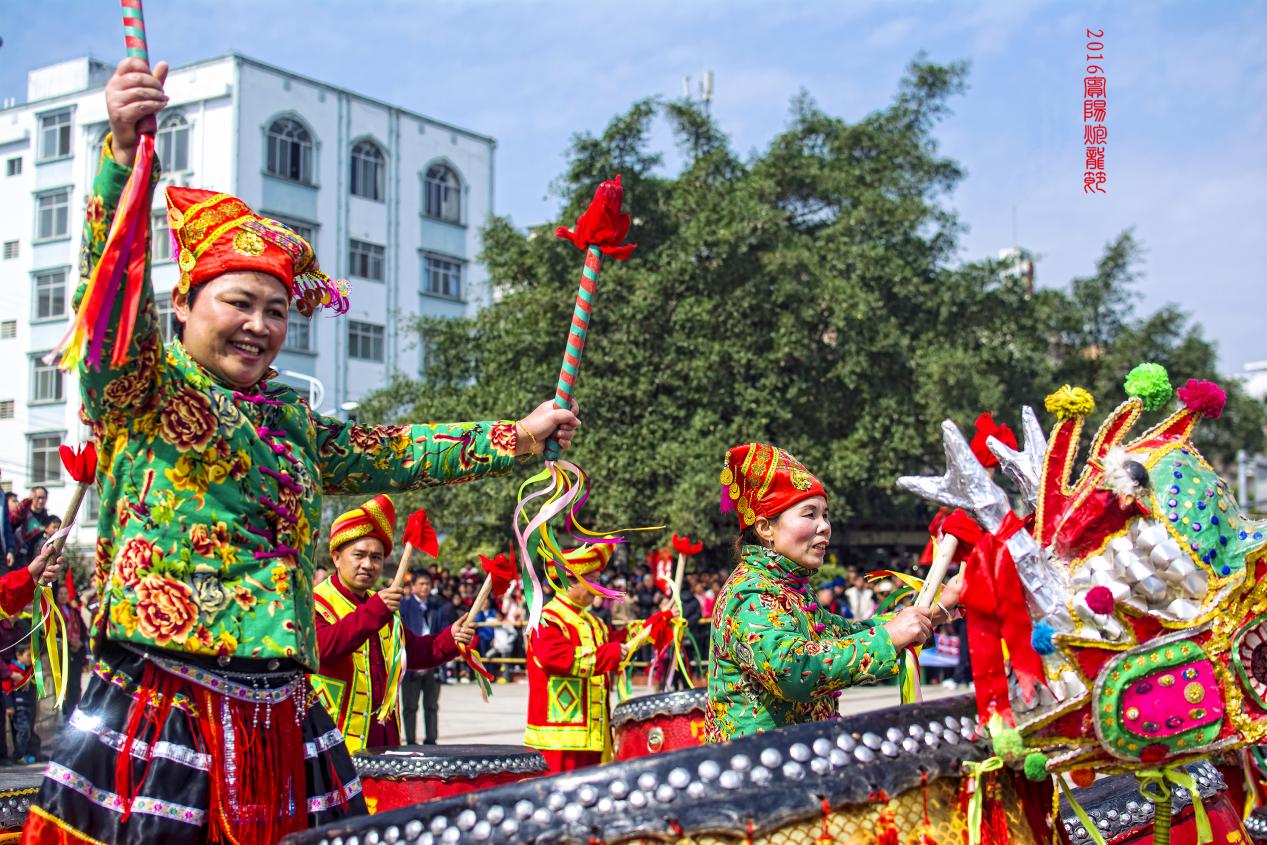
x=236 y=325
x=800 y=533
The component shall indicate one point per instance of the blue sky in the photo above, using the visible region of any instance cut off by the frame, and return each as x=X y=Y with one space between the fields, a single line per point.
x=1187 y=146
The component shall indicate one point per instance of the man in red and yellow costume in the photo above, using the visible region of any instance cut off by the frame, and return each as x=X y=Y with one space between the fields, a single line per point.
x=570 y=658
x=364 y=647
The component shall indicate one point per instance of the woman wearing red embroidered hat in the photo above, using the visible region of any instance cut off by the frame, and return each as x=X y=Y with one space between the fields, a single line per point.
x=777 y=657
x=198 y=723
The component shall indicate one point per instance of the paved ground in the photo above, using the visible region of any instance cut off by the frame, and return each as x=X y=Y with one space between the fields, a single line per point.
x=465 y=719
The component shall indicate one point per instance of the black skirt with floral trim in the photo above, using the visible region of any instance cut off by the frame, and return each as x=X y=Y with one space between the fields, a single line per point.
x=176 y=781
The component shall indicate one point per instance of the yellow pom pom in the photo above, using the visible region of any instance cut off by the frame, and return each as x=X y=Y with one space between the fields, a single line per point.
x=1070 y=402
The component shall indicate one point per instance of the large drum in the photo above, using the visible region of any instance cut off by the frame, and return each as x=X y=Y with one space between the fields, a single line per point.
x=653 y=723
x=17 y=791
x=846 y=779
x=1124 y=817
x=401 y=777
x=1256 y=824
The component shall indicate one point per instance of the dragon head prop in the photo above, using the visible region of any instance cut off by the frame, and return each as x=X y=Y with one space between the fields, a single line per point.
x=1140 y=636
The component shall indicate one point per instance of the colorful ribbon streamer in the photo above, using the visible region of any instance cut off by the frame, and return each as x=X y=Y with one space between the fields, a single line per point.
x=1087 y=824
x=976 y=773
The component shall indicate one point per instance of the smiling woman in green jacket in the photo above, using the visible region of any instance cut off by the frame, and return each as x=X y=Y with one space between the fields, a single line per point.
x=197 y=723
x=777 y=658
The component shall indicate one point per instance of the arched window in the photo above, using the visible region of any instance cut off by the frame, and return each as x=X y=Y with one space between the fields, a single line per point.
x=367 y=171
x=290 y=150
x=173 y=144
x=442 y=194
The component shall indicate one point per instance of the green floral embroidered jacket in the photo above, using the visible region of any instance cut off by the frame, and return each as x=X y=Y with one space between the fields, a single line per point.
x=211 y=497
x=772 y=661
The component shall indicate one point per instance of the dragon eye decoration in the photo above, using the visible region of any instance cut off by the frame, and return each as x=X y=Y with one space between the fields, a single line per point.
x=1249 y=655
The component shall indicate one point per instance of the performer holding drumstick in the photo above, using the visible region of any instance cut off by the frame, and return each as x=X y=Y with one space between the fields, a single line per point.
x=196 y=723
x=364 y=647
x=777 y=657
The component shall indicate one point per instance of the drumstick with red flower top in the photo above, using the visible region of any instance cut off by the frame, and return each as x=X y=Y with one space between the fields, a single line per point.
x=599 y=231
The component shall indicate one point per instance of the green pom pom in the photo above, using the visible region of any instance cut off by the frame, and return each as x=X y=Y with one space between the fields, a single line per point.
x=1008 y=743
x=1036 y=766
x=1149 y=384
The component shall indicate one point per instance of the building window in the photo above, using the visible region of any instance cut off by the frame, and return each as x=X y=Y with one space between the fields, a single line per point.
x=443 y=194
x=367 y=260
x=173 y=144
x=8 y=329
x=298 y=333
x=52 y=215
x=10 y=249
x=441 y=276
x=13 y=166
x=367 y=171
x=166 y=316
x=46 y=381
x=160 y=238
x=45 y=463
x=365 y=341
x=290 y=151
x=7 y=407
x=55 y=135
x=49 y=299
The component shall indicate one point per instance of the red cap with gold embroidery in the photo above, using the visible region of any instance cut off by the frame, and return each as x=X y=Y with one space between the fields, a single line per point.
x=763 y=480
x=214 y=234
x=375 y=518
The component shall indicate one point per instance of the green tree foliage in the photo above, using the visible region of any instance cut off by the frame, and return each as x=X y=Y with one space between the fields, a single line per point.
x=806 y=295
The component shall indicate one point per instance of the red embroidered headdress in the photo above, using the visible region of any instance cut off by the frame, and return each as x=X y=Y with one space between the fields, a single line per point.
x=215 y=233
x=375 y=518
x=763 y=480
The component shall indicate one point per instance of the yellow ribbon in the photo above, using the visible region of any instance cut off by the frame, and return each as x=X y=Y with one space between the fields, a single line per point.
x=976 y=773
x=55 y=638
x=1092 y=830
x=1154 y=784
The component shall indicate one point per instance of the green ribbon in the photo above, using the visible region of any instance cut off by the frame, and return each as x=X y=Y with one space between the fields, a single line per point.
x=1083 y=818
x=975 y=772
x=1154 y=784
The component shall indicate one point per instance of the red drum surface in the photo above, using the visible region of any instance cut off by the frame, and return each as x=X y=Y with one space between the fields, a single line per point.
x=650 y=724
x=401 y=777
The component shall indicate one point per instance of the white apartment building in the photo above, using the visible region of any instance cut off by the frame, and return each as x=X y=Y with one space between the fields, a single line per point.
x=390 y=199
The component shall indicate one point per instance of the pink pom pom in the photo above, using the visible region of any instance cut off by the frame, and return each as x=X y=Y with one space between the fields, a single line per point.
x=1100 y=600
x=1203 y=397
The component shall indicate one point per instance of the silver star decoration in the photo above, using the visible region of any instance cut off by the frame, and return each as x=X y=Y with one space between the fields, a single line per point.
x=965 y=485
x=1026 y=466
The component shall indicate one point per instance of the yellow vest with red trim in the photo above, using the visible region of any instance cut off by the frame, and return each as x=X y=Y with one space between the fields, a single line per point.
x=569 y=712
x=349 y=701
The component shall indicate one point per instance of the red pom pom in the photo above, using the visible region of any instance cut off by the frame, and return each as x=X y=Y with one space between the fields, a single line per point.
x=1082 y=777
x=1100 y=600
x=1203 y=397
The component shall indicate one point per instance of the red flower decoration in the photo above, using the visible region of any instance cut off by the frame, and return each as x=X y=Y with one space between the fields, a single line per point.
x=502 y=571
x=80 y=463
x=684 y=546
x=1203 y=397
x=603 y=224
x=420 y=534
x=986 y=428
x=661 y=625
